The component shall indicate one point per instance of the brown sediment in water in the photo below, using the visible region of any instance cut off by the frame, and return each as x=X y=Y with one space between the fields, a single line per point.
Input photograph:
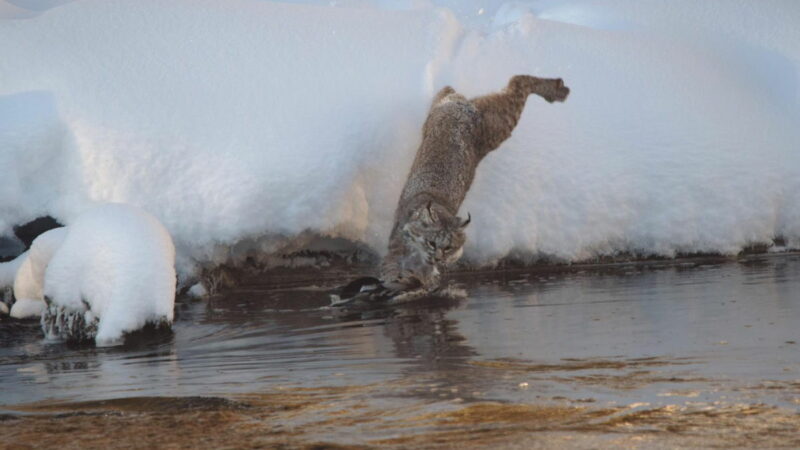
x=349 y=418
x=509 y=413
x=529 y=426
x=260 y=421
x=140 y=404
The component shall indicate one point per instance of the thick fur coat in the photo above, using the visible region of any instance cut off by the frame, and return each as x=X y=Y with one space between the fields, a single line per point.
x=456 y=136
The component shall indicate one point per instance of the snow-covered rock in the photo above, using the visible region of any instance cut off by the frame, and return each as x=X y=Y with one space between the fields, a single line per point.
x=111 y=271
x=243 y=124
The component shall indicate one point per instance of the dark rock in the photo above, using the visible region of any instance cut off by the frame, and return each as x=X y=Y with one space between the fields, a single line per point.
x=10 y=248
x=31 y=230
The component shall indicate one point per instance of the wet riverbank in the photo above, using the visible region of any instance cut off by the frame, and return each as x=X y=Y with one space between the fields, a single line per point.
x=699 y=352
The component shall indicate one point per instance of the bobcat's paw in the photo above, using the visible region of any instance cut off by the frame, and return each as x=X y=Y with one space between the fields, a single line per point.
x=559 y=92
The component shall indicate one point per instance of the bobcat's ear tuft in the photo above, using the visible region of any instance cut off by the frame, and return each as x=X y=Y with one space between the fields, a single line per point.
x=466 y=222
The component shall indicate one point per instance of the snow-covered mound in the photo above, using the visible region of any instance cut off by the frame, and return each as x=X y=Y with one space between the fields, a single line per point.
x=242 y=124
x=111 y=271
x=115 y=270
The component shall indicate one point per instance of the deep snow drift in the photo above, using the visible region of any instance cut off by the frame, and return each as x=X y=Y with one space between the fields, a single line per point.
x=241 y=124
x=111 y=271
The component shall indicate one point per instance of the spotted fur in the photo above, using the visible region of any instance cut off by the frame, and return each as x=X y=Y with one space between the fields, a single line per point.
x=458 y=133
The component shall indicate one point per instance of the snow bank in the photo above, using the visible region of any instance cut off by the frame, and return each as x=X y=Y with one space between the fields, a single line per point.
x=113 y=273
x=664 y=146
x=242 y=124
x=226 y=120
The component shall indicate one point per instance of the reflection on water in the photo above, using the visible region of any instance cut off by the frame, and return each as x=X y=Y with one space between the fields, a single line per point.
x=602 y=336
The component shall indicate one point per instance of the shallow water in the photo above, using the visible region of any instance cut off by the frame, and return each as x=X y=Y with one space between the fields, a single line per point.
x=632 y=335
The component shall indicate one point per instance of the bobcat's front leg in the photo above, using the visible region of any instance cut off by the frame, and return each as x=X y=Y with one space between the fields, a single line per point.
x=550 y=89
x=500 y=112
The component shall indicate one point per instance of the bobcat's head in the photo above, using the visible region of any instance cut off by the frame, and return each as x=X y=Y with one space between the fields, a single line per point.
x=438 y=236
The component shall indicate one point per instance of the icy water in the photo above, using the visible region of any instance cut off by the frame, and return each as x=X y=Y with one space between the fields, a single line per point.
x=614 y=341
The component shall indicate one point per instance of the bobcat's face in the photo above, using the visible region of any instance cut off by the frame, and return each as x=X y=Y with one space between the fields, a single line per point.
x=440 y=239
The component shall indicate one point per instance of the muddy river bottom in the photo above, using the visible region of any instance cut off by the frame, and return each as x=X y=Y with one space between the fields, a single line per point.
x=681 y=354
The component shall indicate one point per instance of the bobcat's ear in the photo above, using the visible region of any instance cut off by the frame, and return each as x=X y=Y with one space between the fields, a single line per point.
x=429 y=215
x=466 y=222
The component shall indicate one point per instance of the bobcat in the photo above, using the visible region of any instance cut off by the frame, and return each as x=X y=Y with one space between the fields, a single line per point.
x=458 y=133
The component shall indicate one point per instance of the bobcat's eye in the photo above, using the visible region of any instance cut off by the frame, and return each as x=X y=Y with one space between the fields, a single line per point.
x=448 y=248
x=431 y=244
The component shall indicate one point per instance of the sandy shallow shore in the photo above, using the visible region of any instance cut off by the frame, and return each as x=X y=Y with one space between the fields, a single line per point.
x=683 y=354
x=351 y=418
